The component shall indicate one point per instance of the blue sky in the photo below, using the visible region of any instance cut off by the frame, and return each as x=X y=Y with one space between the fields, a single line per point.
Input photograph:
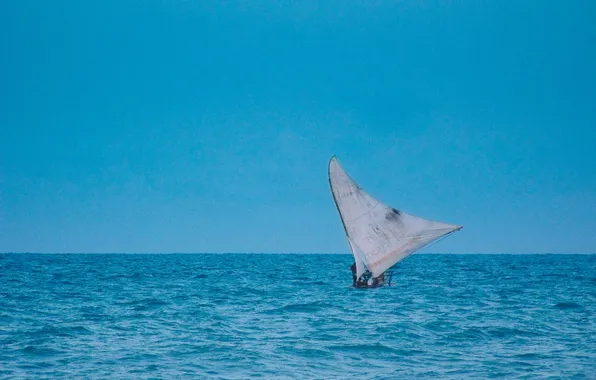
x=206 y=126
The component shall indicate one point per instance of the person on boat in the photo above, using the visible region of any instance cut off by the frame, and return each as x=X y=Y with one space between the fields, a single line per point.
x=367 y=280
x=354 y=277
x=373 y=282
x=362 y=281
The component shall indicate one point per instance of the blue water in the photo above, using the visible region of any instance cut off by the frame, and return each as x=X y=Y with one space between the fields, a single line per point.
x=295 y=316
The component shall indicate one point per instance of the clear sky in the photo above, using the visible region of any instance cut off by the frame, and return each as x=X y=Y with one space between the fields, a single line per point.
x=206 y=126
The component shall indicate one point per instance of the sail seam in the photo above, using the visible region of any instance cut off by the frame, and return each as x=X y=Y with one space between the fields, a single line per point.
x=366 y=213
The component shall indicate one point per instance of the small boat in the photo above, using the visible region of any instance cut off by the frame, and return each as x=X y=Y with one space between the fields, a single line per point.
x=379 y=236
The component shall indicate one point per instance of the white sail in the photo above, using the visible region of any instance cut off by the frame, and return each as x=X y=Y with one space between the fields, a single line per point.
x=360 y=266
x=379 y=236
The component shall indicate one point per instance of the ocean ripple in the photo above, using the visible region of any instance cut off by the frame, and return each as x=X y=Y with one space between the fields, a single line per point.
x=236 y=316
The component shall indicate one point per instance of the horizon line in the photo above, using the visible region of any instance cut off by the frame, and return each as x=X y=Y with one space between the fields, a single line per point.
x=286 y=253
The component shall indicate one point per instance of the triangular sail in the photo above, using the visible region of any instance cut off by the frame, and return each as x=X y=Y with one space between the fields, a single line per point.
x=379 y=236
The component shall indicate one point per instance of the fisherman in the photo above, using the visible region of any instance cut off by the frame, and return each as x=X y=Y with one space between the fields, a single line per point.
x=362 y=281
x=354 y=277
x=373 y=282
x=367 y=280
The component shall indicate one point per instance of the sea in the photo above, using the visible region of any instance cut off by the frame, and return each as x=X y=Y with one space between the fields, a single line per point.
x=295 y=316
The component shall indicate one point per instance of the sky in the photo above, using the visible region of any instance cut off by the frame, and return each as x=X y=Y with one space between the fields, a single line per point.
x=207 y=126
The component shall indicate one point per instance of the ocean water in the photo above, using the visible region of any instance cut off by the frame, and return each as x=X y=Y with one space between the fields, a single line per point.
x=238 y=316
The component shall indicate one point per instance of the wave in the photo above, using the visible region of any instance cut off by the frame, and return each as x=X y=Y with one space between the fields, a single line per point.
x=59 y=331
x=365 y=348
x=39 y=351
x=310 y=307
x=146 y=304
x=568 y=305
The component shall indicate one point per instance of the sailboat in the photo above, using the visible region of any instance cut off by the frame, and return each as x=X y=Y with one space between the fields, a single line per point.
x=379 y=236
